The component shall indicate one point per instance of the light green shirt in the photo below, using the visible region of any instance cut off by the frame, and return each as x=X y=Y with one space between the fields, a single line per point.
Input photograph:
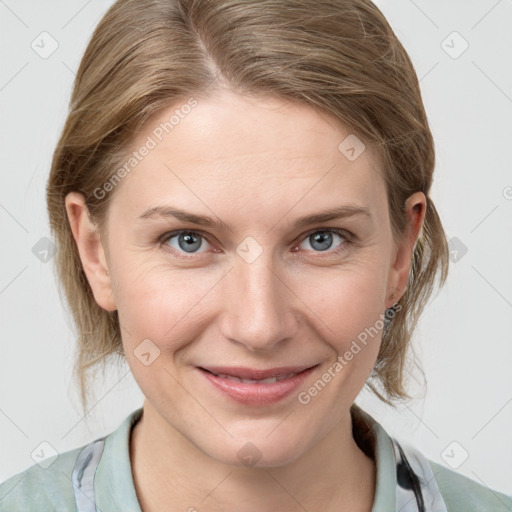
x=98 y=476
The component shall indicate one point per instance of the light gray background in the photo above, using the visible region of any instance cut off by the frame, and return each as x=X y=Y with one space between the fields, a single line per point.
x=464 y=337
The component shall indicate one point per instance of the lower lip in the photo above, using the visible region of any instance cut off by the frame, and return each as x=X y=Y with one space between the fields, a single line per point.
x=258 y=393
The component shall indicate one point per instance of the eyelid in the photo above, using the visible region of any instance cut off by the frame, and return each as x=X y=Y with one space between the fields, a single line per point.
x=349 y=240
x=171 y=234
x=347 y=235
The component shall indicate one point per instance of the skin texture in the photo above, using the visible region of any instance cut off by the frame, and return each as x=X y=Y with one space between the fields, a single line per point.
x=257 y=164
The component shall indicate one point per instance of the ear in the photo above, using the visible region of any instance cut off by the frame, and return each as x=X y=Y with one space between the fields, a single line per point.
x=415 y=209
x=90 y=248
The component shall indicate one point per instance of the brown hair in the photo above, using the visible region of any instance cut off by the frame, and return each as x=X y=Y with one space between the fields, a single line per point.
x=339 y=57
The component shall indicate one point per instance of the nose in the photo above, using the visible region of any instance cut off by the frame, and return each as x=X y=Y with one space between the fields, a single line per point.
x=260 y=306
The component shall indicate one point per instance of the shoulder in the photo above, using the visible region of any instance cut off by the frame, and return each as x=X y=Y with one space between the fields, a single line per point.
x=405 y=475
x=41 y=487
x=461 y=493
x=69 y=480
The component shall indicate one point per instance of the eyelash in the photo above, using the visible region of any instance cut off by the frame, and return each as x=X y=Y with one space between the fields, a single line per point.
x=348 y=239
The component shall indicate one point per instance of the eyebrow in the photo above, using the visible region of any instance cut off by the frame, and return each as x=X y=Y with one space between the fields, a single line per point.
x=340 y=212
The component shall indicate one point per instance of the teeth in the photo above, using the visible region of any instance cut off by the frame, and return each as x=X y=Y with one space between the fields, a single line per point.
x=269 y=380
x=283 y=377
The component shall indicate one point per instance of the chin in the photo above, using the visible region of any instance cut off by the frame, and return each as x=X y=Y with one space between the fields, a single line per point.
x=257 y=451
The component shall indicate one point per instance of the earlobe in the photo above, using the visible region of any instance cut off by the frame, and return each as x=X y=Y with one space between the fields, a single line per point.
x=415 y=210
x=91 y=250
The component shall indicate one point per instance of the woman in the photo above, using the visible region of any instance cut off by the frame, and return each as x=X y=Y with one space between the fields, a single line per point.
x=241 y=201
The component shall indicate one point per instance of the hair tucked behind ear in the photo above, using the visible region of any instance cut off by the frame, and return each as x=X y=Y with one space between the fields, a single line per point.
x=340 y=57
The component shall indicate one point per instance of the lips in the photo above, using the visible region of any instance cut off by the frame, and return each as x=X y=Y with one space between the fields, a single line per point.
x=255 y=387
x=268 y=380
x=242 y=374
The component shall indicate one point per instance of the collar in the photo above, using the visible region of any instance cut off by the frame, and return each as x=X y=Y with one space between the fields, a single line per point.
x=103 y=480
x=377 y=444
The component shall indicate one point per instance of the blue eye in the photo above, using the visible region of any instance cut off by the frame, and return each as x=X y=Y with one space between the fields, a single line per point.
x=322 y=240
x=187 y=241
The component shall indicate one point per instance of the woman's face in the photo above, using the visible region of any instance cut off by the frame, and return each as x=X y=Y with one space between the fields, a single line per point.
x=254 y=287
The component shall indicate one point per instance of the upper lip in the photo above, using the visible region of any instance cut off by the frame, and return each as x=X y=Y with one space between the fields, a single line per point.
x=255 y=374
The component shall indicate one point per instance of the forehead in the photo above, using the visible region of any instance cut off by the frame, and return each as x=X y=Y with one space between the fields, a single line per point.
x=240 y=150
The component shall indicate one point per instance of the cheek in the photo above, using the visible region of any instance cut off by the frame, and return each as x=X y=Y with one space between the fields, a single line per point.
x=351 y=305
x=349 y=299
x=171 y=307
x=162 y=305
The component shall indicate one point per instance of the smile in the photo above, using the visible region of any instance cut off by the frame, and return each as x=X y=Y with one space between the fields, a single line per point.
x=268 y=380
x=255 y=387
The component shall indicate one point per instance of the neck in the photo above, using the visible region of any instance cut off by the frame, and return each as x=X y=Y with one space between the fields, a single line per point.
x=170 y=473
